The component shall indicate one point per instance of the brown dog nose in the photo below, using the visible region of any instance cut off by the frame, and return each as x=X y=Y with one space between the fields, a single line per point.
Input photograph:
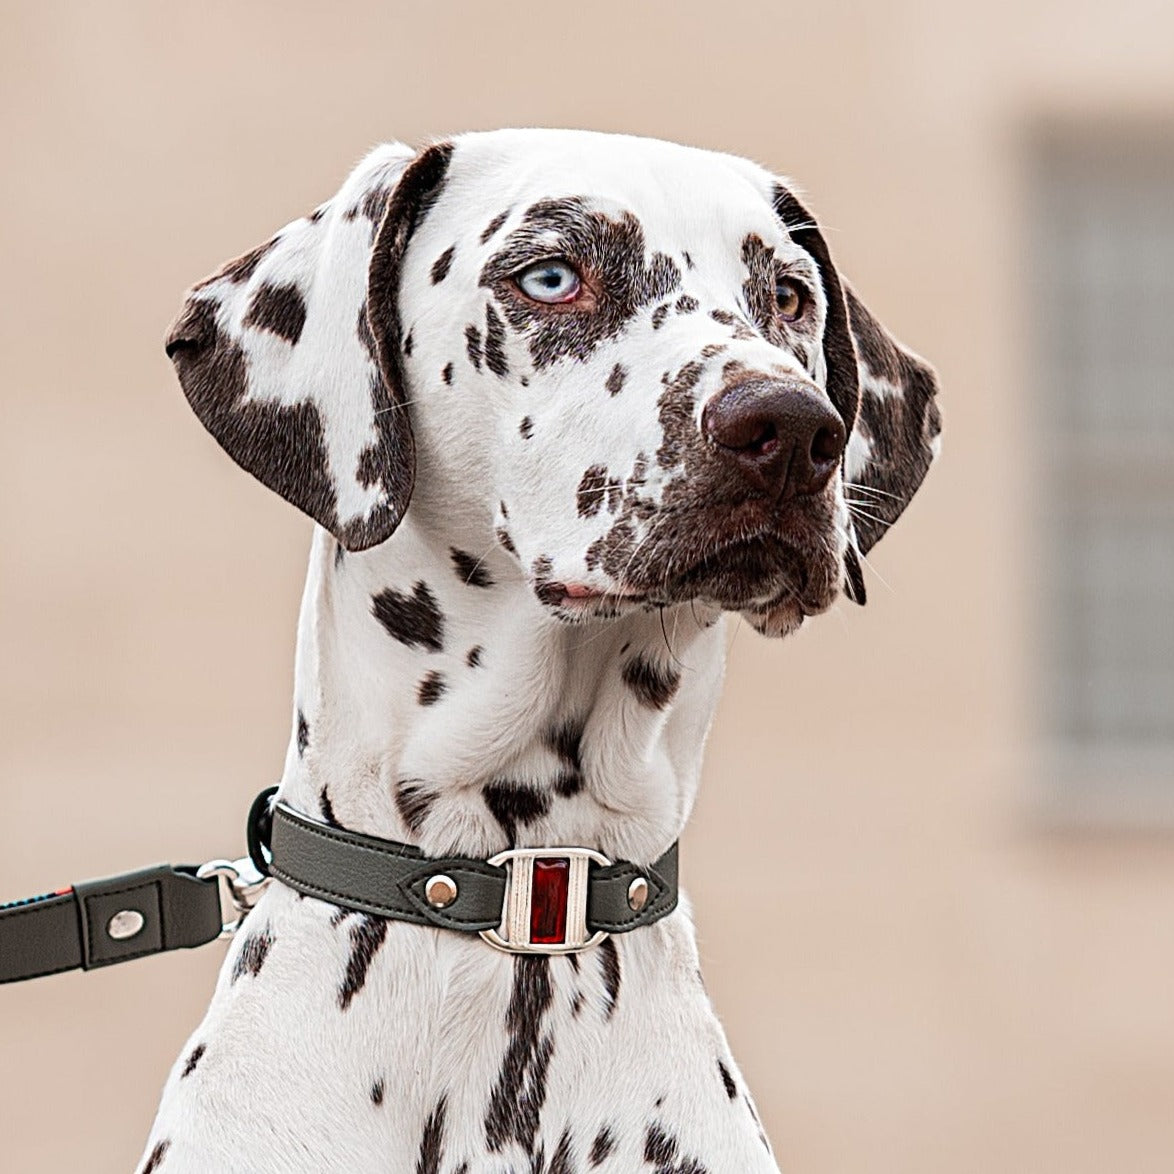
x=786 y=438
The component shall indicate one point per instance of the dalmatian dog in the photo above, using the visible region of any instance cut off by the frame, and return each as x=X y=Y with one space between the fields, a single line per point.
x=559 y=402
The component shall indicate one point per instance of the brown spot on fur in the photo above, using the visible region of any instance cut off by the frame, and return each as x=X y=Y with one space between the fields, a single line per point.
x=758 y=290
x=653 y=686
x=609 y=962
x=471 y=571
x=441 y=265
x=495 y=358
x=739 y=328
x=734 y=371
x=415 y=620
x=432 y=1143
x=197 y=1054
x=253 y=952
x=372 y=206
x=676 y=407
x=155 y=1159
x=663 y=1151
x=512 y=803
x=431 y=689
x=561 y=1161
x=240 y=268
x=493 y=226
x=727 y=1080
x=473 y=345
x=515 y=1105
x=590 y=494
x=367 y=935
x=327 y=808
x=601 y=1147
x=549 y=592
x=413 y=801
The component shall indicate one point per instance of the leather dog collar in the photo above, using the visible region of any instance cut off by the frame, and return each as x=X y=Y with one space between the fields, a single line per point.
x=555 y=900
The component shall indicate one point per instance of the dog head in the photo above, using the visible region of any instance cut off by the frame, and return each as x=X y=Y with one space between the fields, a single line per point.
x=631 y=364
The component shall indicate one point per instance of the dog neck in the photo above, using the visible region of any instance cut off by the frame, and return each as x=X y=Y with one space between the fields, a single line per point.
x=438 y=702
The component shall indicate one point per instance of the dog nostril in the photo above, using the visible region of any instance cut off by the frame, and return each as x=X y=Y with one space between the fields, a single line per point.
x=826 y=446
x=748 y=433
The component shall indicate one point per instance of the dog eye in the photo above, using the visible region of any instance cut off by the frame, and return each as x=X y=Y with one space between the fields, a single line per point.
x=551 y=282
x=791 y=299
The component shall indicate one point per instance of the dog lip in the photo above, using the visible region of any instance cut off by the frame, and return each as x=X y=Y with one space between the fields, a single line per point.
x=579 y=590
x=581 y=593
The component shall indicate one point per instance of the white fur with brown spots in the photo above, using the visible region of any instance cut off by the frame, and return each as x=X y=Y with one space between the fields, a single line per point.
x=514 y=634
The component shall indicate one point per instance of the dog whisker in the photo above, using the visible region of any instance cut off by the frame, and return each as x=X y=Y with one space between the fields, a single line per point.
x=872 y=489
x=871 y=568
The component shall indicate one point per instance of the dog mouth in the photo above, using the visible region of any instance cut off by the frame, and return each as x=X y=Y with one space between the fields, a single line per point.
x=746 y=573
x=581 y=598
x=764 y=570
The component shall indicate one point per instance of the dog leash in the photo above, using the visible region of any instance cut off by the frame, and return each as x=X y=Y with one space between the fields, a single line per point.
x=556 y=900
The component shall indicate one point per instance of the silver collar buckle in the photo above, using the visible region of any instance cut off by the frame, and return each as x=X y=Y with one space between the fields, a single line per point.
x=545 y=905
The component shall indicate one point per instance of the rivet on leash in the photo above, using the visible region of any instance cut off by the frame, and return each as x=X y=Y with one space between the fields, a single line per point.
x=125 y=924
x=638 y=894
x=441 y=891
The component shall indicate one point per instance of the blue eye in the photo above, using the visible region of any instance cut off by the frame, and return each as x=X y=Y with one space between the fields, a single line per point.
x=550 y=282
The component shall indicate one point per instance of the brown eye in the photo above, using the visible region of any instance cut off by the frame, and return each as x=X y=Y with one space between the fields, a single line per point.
x=791 y=299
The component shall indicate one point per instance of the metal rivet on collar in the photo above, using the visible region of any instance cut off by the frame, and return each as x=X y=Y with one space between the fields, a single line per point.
x=440 y=891
x=125 y=924
x=638 y=894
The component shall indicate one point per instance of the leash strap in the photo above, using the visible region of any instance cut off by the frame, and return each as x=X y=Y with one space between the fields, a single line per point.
x=534 y=900
x=106 y=921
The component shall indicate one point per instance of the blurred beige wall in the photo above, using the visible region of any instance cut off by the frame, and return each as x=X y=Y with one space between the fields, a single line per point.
x=946 y=983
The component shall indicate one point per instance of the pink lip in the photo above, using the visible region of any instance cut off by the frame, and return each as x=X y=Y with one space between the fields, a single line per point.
x=581 y=593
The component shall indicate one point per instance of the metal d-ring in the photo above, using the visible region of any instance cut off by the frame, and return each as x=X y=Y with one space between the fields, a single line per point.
x=241 y=889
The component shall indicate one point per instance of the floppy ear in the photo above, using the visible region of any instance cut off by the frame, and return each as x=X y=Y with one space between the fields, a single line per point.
x=277 y=356
x=885 y=394
x=898 y=427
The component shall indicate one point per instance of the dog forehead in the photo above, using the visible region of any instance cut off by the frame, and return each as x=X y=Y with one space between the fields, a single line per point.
x=671 y=188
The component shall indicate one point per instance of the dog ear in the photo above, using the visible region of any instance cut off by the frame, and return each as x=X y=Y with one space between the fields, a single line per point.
x=885 y=394
x=897 y=434
x=277 y=356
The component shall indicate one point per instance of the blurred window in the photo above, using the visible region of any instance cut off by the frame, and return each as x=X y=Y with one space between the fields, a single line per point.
x=1104 y=234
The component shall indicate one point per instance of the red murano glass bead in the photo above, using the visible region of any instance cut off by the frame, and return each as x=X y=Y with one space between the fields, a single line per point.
x=548 y=904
